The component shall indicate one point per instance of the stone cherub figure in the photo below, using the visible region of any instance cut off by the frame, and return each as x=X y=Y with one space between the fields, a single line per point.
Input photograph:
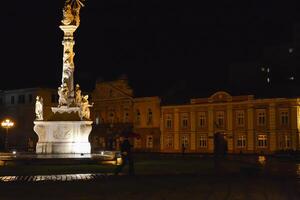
x=71 y=12
x=63 y=93
x=78 y=97
x=85 y=108
x=39 y=108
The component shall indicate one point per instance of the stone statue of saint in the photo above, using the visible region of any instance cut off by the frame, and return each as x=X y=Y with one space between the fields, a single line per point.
x=71 y=12
x=39 y=108
x=63 y=93
x=68 y=16
x=78 y=97
x=85 y=108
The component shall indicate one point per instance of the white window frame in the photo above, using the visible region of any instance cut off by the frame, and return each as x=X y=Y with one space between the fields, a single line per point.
x=240 y=118
x=201 y=120
x=184 y=120
x=261 y=117
x=202 y=141
x=284 y=117
x=220 y=119
x=262 y=141
x=169 y=142
x=169 y=121
x=241 y=141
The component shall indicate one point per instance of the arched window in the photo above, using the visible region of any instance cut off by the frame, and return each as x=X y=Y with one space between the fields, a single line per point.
x=138 y=117
x=149 y=117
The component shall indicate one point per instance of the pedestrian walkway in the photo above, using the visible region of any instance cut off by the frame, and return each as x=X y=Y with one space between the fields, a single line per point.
x=53 y=178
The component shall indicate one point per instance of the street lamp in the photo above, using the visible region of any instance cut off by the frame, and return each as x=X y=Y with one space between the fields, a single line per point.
x=7 y=124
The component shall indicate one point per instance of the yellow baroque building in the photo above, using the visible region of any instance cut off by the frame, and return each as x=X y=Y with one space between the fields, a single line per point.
x=116 y=111
x=249 y=125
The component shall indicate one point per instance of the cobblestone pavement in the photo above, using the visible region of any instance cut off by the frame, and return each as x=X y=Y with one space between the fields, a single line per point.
x=51 y=178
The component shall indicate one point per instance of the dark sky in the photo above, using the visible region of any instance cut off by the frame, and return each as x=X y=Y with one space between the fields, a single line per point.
x=161 y=45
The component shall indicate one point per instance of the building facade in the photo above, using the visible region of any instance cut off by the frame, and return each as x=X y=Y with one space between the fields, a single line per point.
x=248 y=125
x=19 y=106
x=117 y=112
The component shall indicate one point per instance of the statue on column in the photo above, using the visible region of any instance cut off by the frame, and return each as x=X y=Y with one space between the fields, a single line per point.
x=39 y=108
x=78 y=97
x=63 y=93
x=71 y=12
x=85 y=108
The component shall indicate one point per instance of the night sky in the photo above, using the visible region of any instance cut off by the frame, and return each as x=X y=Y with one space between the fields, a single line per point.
x=163 y=46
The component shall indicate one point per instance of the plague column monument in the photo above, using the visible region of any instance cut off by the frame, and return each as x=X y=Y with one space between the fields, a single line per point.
x=67 y=128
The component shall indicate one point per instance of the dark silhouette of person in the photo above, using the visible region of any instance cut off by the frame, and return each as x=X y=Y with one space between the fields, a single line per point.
x=220 y=150
x=127 y=158
x=183 y=149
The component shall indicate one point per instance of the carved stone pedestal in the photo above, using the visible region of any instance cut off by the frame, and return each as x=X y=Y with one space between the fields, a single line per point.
x=57 y=137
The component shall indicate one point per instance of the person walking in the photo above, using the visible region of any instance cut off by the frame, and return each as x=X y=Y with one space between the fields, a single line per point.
x=127 y=158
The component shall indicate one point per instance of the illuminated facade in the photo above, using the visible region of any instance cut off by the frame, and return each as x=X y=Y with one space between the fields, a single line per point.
x=249 y=125
x=117 y=111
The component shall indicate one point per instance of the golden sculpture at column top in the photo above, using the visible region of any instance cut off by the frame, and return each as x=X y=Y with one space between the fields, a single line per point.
x=71 y=12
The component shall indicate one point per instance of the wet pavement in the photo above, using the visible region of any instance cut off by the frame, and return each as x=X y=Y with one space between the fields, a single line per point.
x=52 y=178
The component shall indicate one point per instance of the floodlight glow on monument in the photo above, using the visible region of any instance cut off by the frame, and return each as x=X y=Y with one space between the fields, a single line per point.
x=67 y=128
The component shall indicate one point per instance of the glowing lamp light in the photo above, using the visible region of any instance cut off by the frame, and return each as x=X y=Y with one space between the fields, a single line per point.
x=7 y=124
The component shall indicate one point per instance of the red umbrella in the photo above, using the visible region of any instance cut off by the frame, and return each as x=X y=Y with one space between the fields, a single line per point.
x=130 y=135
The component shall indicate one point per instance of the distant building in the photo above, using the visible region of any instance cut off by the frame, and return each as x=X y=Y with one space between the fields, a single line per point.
x=117 y=112
x=19 y=106
x=249 y=125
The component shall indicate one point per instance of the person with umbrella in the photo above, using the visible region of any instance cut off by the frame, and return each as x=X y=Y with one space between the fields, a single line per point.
x=126 y=155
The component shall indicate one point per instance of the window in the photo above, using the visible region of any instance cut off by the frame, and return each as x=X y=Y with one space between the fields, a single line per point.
x=240 y=118
x=220 y=115
x=184 y=120
x=262 y=141
x=285 y=142
x=169 y=121
x=12 y=100
x=126 y=117
x=149 y=142
x=169 y=142
x=111 y=116
x=261 y=117
x=21 y=99
x=241 y=141
x=137 y=143
x=185 y=141
x=138 y=117
x=284 y=118
x=149 y=117
x=203 y=141
x=202 y=120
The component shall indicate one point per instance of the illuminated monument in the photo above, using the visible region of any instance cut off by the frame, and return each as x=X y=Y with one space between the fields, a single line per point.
x=67 y=128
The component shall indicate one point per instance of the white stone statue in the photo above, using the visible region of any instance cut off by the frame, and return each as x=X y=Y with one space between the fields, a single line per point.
x=63 y=93
x=85 y=108
x=39 y=109
x=78 y=97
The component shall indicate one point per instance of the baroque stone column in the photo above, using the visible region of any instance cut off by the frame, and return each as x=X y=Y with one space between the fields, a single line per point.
x=68 y=58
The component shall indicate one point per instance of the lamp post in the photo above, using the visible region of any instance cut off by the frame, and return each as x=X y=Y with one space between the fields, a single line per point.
x=7 y=124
